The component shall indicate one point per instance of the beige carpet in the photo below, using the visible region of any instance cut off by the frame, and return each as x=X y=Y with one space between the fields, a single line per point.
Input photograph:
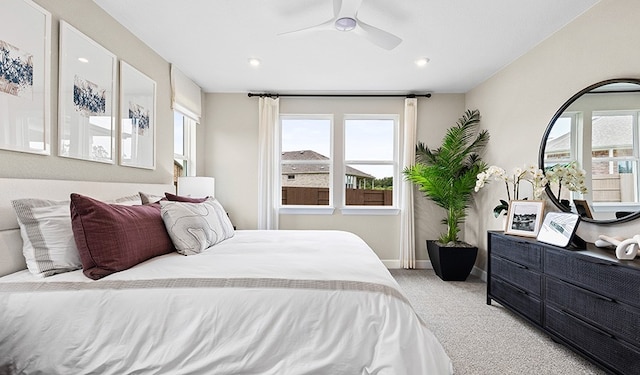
x=482 y=339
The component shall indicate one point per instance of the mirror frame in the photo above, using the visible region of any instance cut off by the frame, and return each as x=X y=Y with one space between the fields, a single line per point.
x=545 y=136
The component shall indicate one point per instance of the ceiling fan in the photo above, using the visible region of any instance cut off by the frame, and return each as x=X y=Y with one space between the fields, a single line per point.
x=345 y=18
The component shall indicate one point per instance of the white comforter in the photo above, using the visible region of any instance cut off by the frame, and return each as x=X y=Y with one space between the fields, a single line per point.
x=262 y=302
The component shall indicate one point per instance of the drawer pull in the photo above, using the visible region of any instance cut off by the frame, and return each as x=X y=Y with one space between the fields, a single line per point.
x=516 y=264
x=598 y=296
x=588 y=325
x=519 y=290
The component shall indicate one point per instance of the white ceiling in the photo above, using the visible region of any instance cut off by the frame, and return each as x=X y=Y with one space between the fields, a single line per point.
x=467 y=41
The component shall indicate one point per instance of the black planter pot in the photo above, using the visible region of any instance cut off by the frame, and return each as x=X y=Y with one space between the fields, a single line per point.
x=451 y=263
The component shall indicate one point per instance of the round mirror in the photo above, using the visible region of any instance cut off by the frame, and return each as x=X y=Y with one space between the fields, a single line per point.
x=599 y=127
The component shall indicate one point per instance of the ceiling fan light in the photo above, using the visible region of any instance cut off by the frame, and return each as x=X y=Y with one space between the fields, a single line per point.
x=345 y=24
x=423 y=61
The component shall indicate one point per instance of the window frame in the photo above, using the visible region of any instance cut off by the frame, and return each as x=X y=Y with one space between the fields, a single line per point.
x=307 y=209
x=634 y=158
x=372 y=210
x=188 y=144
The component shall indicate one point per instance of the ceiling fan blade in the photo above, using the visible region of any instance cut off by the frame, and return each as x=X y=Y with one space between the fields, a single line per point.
x=327 y=25
x=346 y=8
x=377 y=36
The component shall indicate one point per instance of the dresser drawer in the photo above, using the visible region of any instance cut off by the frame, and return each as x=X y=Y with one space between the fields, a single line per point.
x=615 y=354
x=619 y=319
x=517 y=274
x=518 y=299
x=598 y=275
x=520 y=251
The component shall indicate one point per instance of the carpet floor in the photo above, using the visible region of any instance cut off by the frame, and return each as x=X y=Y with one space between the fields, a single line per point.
x=485 y=339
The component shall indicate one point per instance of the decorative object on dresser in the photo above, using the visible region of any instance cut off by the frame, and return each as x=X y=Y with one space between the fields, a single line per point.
x=512 y=182
x=524 y=218
x=584 y=299
x=559 y=228
x=625 y=248
x=447 y=176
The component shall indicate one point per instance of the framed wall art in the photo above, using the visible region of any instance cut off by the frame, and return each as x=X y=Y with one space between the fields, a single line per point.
x=25 y=66
x=137 y=118
x=524 y=218
x=86 y=98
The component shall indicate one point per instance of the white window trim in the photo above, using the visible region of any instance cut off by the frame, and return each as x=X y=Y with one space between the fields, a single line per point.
x=189 y=146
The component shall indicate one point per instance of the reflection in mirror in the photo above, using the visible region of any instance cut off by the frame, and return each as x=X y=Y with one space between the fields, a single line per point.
x=599 y=127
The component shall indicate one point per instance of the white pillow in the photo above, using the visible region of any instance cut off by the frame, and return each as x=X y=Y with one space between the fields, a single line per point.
x=129 y=200
x=194 y=227
x=45 y=227
x=149 y=198
x=48 y=243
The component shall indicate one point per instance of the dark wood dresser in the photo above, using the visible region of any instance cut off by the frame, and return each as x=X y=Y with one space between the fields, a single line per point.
x=586 y=299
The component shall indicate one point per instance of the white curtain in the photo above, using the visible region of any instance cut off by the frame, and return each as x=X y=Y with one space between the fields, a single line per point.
x=268 y=166
x=407 y=231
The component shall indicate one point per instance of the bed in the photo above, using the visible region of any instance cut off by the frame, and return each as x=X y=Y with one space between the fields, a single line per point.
x=258 y=302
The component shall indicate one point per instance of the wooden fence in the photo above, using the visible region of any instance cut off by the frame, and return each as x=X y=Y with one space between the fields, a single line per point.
x=316 y=196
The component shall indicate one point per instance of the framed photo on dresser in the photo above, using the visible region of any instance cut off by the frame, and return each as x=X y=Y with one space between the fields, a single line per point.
x=524 y=218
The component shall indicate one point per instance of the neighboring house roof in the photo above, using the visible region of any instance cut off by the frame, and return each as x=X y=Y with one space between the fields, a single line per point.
x=312 y=168
x=608 y=131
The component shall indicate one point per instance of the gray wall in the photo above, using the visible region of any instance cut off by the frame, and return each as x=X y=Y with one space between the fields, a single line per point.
x=518 y=102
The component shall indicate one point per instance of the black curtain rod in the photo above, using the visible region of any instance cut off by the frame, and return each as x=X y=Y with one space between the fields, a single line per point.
x=262 y=95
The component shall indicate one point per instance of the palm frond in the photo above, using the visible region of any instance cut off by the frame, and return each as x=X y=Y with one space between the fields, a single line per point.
x=447 y=174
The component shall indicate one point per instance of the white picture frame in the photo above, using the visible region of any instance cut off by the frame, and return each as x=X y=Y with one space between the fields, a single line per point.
x=137 y=118
x=558 y=228
x=25 y=81
x=524 y=218
x=86 y=98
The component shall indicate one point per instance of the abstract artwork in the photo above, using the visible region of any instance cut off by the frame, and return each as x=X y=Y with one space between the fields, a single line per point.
x=88 y=98
x=137 y=119
x=25 y=51
x=87 y=105
x=16 y=71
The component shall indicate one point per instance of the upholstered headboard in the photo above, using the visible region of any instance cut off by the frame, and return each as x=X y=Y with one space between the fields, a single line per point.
x=11 y=258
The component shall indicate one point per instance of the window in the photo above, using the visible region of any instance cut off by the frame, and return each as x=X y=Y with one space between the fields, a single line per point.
x=363 y=150
x=306 y=160
x=184 y=146
x=614 y=150
x=370 y=160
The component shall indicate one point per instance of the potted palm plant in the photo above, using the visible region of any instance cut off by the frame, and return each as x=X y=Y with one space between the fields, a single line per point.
x=447 y=176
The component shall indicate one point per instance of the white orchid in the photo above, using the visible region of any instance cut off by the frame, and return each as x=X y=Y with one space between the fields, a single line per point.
x=569 y=175
x=529 y=173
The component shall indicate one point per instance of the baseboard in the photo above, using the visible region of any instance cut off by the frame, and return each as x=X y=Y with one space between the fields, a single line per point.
x=426 y=265
x=394 y=264
x=480 y=273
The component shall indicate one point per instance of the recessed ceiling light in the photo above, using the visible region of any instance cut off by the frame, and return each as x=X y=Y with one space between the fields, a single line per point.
x=83 y=59
x=423 y=61
x=254 y=62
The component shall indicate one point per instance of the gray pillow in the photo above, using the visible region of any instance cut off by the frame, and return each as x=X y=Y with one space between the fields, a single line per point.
x=194 y=227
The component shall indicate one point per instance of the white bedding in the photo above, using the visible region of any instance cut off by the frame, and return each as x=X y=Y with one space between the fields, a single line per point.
x=262 y=302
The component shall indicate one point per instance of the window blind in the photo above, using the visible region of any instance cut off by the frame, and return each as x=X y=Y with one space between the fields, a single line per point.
x=186 y=96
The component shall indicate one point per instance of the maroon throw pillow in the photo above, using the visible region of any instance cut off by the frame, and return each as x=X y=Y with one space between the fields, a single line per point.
x=112 y=237
x=182 y=198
